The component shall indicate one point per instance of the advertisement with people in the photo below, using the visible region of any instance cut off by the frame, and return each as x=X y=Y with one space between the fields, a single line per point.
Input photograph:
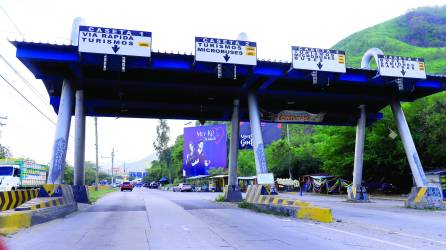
x=270 y=131
x=204 y=149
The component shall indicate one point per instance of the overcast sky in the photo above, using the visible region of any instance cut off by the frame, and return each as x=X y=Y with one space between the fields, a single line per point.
x=274 y=25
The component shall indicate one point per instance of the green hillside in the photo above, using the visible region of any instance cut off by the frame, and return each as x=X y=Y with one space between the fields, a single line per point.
x=419 y=33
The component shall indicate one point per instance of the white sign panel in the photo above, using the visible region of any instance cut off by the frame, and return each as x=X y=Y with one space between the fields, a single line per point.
x=217 y=50
x=115 y=41
x=265 y=178
x=318 y=59
x=398 y=66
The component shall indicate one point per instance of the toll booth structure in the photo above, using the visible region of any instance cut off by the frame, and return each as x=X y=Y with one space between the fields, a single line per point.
x=173 y=85
x=218 y=182
x=245 y=181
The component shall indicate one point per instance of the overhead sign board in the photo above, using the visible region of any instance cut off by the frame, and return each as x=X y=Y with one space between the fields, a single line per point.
x=216 y=50
x=318 y=59
x=115 y=41
x=398 y=66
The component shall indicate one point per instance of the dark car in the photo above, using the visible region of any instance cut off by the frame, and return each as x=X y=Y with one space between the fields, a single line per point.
x=126 y=186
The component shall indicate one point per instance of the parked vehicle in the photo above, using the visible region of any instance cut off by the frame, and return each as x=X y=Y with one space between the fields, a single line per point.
x=21 y=174
x=183 y=187
x=126 y=185
x=153 y=185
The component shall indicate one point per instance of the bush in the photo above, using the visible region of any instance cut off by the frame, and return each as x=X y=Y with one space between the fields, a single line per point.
x=220 y=198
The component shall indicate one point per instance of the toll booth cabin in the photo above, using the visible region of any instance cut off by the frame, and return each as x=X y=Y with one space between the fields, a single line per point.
x=438 y=177
x=245 y=181
x=218 y=182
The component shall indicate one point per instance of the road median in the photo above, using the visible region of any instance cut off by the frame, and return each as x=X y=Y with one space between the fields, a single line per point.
x=295 y=208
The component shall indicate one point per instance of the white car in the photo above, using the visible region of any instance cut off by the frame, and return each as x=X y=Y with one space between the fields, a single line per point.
x=183 y=187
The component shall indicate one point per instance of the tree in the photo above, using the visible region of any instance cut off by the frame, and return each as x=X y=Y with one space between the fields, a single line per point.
x=160 y=145
x=68 y=175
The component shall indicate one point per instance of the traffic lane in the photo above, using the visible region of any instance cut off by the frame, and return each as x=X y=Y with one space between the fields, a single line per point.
x=111 y=223
x=385 y=215
x=170 y=195
x=244 y=229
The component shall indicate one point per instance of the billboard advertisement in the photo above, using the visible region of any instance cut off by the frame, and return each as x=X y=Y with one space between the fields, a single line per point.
x=204 y=149
x=270 y=132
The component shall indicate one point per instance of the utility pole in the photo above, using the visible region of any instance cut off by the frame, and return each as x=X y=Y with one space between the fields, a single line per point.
x=97 y=153
x=112 y=162
x=2 y=124
x=289 y=152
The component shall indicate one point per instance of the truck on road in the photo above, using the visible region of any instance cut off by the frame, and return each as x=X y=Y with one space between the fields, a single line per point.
x=21 y=174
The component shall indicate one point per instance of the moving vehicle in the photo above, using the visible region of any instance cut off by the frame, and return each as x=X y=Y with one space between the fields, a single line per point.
x=21 y=174
x=126 y=185
x=183 y=187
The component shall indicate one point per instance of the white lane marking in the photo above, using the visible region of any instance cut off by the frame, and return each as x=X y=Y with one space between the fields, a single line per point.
x=363 y=236
x=185 y=228
x=421 y=237
x=409 y=235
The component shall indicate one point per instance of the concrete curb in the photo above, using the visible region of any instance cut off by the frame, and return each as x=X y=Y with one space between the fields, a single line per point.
x=55 y=201
x=12 y=222
x=295 y=208
x=47 y=214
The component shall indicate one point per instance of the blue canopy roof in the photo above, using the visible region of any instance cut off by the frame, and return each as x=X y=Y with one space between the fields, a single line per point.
x=174 y=86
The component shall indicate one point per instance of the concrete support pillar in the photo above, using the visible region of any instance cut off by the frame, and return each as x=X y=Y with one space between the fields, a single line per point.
x=59 y=153
x=79 y=140
x=257 y=139
x=233 y=149
x=358 y=193
x=359 y=148
x=232 y=190
x=423 y=195
x=409 y=146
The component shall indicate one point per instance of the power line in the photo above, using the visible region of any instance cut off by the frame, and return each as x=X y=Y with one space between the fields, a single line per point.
x=12 y=21
x=34 y=90
x=29 y=102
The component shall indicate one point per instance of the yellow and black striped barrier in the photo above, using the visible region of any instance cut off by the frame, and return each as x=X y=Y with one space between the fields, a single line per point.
x=12 y=199
x=42 y=202
x=304 y=210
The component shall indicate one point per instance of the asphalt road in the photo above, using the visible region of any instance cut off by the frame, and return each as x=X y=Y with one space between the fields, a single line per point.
x=152 y=219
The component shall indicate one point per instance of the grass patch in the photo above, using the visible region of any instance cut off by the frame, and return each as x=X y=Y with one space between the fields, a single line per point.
x=220 y=198
x=255 y=208
x=96 y=195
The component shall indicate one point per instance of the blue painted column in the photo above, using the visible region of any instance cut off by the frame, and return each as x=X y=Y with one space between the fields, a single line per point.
x=59 y=153
x=257 y=139
x=57 y=164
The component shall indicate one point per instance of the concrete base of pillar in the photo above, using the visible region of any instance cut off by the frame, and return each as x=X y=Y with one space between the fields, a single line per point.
x=357 y=194
x=80 y=194
x=232 y=193
x=430 y=197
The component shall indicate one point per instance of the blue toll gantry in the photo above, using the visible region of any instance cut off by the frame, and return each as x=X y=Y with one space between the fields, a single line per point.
x=170 y=85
